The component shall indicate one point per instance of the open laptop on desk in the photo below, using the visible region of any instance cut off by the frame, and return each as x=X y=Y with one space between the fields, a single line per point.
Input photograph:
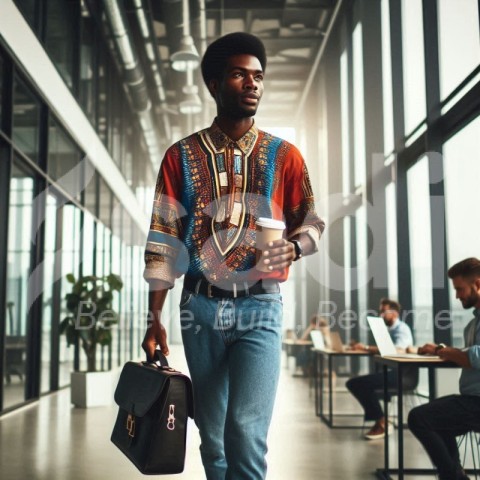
x=385 y=343
x=317 y=339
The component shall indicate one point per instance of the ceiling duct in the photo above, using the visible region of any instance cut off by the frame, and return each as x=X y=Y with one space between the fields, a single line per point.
x=134 y=76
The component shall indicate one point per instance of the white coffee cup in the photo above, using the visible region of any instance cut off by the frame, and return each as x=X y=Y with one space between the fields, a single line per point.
x=267 y=230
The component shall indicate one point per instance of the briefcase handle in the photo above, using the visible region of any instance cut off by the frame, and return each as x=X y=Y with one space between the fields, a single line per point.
x=158 y=360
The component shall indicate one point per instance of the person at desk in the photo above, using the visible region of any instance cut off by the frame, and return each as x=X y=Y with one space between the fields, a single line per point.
x=364 y=388
x=303 y=359
x=437 y=423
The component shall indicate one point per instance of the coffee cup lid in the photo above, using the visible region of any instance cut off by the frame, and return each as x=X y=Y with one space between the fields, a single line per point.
x=271 y=223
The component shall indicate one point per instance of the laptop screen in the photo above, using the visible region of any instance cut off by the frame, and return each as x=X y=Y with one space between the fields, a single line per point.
x=382 y=336
x=317 y=339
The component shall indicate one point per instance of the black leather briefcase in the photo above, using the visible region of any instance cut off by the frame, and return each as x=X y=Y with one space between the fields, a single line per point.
x=154 y=402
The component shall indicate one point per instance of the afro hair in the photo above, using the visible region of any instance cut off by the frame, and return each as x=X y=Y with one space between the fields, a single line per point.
x=215 y=58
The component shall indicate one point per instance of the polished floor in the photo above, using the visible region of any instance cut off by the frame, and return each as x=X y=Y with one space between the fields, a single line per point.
x=51 y=440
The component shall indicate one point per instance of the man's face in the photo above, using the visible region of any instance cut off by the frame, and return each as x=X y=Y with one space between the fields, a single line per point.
x=388 y=314
x=241 y=88
x=467 y=291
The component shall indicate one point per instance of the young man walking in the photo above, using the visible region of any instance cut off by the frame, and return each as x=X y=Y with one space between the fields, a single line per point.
x=211 y=189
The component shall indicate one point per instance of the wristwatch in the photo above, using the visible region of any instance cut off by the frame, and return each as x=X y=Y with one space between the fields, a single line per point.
x=298 y=249
x=439 y=347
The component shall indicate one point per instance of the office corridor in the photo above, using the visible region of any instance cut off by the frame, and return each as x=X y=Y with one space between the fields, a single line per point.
x=52 y=440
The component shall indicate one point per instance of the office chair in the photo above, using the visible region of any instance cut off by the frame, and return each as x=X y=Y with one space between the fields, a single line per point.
x=469 y=444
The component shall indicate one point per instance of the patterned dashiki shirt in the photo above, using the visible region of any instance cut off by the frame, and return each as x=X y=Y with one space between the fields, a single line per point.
x=209 y=193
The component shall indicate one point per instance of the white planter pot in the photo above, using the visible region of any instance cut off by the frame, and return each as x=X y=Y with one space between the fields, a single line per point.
x=93 y=389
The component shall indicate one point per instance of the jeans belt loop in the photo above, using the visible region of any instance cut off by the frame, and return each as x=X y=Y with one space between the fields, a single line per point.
x=234 y=290
x=245 y=287
x=209 y=289
x=197 y=287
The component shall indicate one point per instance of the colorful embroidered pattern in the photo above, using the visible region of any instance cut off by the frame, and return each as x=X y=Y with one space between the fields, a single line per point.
x=209 y=193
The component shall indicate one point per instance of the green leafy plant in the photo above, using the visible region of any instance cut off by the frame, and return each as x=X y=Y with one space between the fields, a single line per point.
x=91 y=314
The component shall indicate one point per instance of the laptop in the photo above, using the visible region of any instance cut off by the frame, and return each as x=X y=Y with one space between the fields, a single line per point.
x=336 y=343
x=317 y=339
x=384 y=340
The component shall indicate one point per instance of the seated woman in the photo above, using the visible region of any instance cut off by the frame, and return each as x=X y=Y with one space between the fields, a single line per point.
x=303 y=358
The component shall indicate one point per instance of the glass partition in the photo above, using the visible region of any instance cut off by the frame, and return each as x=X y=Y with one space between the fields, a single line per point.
x=420 y=251
x=459 y=42
x=413 y=64
x=462 y=171
x=48 y=284
x=25 y=129
x=18 y=272
x=70 y=264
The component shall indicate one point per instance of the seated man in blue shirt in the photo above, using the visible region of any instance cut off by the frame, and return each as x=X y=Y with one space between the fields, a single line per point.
x=366 y=387
x=436 y=424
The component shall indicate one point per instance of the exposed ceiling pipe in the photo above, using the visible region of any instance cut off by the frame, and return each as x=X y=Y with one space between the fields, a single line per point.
x=134 y=76
x=316 y=63
x=152 y=55
x=203 y=47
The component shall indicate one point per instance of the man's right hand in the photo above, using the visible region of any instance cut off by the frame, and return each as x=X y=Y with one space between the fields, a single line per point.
x=427 y=349
x=155 y=335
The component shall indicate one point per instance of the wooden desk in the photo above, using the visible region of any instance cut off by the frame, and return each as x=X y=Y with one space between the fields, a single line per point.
x=319 y=385
x=400 y=363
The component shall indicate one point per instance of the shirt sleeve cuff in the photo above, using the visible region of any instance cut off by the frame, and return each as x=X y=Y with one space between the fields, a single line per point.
x=159 y=269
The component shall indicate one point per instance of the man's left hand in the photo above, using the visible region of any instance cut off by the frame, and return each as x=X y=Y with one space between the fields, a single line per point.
x=455 y=355
x=280 y=254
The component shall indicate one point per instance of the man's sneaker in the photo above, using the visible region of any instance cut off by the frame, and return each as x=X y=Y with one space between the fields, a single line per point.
x=377 y=432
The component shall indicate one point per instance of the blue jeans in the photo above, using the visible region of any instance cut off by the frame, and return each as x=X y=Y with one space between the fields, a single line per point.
x=233 y=350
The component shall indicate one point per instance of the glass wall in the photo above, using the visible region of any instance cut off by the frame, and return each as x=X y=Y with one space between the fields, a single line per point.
x=360 y=168
x=459 y=42
x=60 y=30
x=413 y=64
x=420 y=250
x=391 y=228
x=462 y=173
x=18 y=273
x=77 y=232
x=49 y=281
x=26 y=120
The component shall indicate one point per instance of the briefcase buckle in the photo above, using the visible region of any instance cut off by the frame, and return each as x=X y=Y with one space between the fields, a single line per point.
x=131 y=425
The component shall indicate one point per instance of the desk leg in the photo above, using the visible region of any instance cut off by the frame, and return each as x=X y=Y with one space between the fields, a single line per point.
x=315 y=376
x=385 y=403
x=330 y=392
x=400 y=421
x=321 y=385
x=431 y=383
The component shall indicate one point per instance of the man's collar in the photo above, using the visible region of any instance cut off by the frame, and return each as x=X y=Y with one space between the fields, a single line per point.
x=394 y=324
x=220 y=139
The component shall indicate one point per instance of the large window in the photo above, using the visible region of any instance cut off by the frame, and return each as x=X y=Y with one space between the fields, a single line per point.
x=48 y=286
x=459 y=41
x=18 y=272
x=63 y=160
x=344 y=99
x=25 y=119
x=70 y=264
x=59 y=36
x=462 y=172
x=391 y=227
x=358 y=107
x=420 y=250
x=387 y=79
x=413 y=63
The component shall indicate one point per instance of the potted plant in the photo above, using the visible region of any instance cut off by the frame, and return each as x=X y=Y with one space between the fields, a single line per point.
x=89 y=323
